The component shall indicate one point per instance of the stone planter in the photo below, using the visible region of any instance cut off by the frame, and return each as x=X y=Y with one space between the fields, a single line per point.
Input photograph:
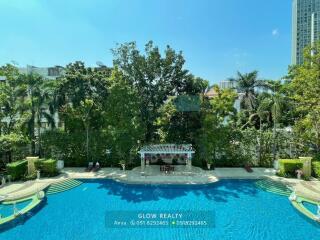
x=123 y=167
x=31 y=167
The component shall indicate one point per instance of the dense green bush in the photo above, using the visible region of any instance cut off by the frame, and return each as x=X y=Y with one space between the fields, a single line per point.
x=13 y=146
x=17 y=169
x=71 y=148
x=316 y=157
x=316 y=169
x=288 y=167
x=47 y=167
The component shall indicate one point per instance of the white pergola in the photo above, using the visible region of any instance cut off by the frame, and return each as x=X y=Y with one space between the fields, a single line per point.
x=167 y=149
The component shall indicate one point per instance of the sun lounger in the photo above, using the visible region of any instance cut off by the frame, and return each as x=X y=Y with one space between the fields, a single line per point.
x=96 y=167
x=248 y=169
x=90 y=167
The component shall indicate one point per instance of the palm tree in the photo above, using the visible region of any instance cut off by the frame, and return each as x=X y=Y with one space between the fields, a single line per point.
x=247 y=84
x=270 y=106
x=40 y=106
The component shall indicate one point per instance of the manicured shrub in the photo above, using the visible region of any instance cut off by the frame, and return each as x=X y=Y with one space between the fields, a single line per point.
x=17 y=169
x=316 y=169
x=47 y=167
x=288 y=167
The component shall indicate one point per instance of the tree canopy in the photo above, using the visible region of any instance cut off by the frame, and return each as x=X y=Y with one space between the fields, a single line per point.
x=148 y=96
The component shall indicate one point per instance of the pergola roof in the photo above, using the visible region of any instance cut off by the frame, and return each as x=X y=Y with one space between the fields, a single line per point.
x=167 y=148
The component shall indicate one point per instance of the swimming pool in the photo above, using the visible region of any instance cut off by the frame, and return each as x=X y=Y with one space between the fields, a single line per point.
x=241 y=211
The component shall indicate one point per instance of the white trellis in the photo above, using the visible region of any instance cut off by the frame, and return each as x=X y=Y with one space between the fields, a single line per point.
x=167 y=149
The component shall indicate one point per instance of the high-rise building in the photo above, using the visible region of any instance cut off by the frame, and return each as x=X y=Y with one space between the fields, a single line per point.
x=305 y=26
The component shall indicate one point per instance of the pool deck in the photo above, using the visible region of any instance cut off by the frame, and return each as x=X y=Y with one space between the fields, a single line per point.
x=307 y=189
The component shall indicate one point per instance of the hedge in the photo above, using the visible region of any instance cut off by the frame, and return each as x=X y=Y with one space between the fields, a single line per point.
x=316 y=169
x=288 y=167
x=17 y=169
x=47 y=167
x=58 y=144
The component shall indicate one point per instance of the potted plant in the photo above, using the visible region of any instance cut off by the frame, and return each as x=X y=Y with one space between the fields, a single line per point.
x=209 y=163
x=299 y=173
x=123 y=164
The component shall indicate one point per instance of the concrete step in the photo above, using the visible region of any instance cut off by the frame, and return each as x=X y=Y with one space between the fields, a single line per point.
x=63 y=186
x=273 y=187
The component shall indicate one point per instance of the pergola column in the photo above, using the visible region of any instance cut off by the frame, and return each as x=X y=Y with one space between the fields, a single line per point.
x=143 y=162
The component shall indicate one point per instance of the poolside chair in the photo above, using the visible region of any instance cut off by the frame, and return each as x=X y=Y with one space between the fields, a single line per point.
x=248 y=168
x=96 y=167
x=90 y=167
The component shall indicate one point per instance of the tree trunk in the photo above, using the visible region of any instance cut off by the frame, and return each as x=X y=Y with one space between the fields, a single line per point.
x=32 y=133
x=260 y=134
x=274 y=141
x=87 y=141
x=9 y=156
x=39 y=144
x=317 y=128
x=39 y=137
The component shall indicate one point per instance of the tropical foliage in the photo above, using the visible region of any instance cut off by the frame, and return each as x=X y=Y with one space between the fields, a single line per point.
x=106 y=114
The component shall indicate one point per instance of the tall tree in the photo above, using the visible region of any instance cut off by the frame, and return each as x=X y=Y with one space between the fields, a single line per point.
x=215 y=128
x=37 y=109
x=84 y=114
x=78 y=84
x=179 y=120
x=12 y=94
x=123 y=120
x=156 y=78
x=305 y=82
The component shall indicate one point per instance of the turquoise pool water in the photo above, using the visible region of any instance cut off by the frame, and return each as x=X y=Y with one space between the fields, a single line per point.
x=7 y=209
x=311 y=207
x=241 y=211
